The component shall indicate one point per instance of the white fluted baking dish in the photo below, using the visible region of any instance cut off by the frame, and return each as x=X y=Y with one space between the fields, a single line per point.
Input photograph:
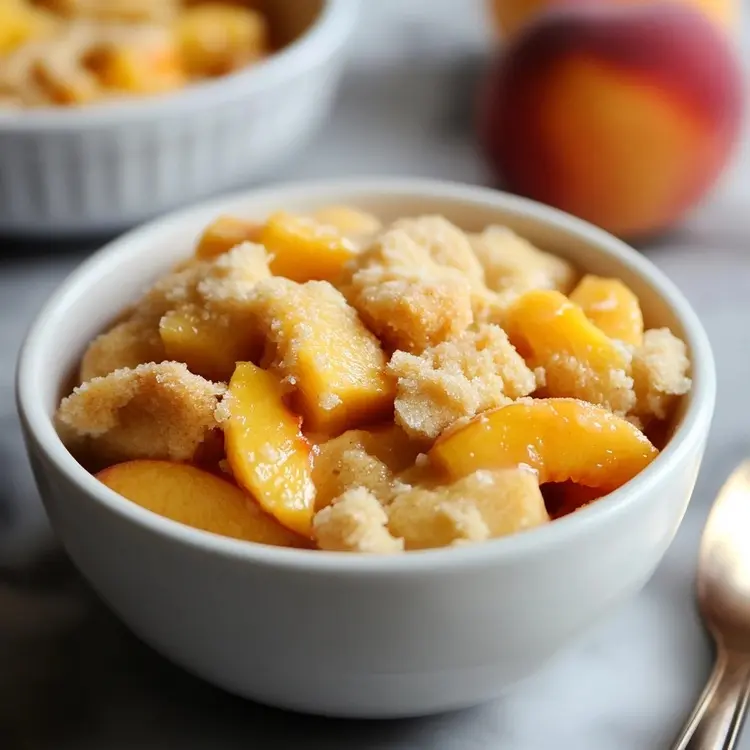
x=105 y=167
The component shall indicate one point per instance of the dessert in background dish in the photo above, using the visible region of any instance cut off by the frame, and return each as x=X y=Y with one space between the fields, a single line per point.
x=75 y=52
x=327 y=381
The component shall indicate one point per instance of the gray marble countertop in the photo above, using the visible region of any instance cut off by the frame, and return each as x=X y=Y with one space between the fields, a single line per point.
x=72 y=678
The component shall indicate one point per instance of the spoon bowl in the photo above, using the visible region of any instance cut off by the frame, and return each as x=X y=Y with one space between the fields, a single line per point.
x=724 y=566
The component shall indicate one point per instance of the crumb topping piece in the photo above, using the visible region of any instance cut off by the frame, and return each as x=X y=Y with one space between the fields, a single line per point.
x=128 y=344
x=357 y=225
x=475 y=371
x=228 y=283
x=334 y=473
x=180 y=287
x=512 y=263
x=483 y=505
x=446 y=244
x=408 y=300
x=362 y=458
x=159 y=411
x=660 y=372
x=355 y=522
x=491 y=307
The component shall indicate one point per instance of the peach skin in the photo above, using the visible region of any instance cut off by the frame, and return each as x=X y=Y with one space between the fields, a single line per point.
x=196 y=498
x=511 y=16
x=624 y=116
x=268 y=455
x=561 y=439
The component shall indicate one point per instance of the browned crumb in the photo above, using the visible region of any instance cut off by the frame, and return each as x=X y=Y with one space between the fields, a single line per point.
x=411 y=310
x=355 y=522
x=229 y=281
x=484 y=505
x=159 y=411
x=224 y=282
x=491 y=307
x=392 y=248
x=512 y=263
x=660 y=372
x=612 y=388
x=172 y=291
x=129 y=344
x=475 y=371
x=446 y=244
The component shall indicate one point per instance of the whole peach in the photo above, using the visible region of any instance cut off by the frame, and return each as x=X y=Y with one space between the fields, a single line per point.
x=622 y=116
x=512 y=15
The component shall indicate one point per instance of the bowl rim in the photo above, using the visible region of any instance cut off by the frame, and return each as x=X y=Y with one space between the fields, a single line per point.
x=328 y=32
x=688 y=437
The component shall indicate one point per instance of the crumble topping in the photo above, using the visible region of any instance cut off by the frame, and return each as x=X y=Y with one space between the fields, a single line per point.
x=458 y=378
x=159 y=411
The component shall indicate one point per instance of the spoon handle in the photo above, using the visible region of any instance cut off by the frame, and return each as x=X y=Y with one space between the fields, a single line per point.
x=717 y=720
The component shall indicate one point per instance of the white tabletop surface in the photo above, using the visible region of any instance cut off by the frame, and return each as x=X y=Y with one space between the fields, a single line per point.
x=627 y=684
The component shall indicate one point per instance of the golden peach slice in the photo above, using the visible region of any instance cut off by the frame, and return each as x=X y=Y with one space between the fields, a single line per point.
x=209 y=343
x=562 y=439
x=225 y=233
x=267 y=453
x=321 y=347
x=196 y=498
x=304 y=249
x=611 y=306
x=153 y=69
x=579 y=360
x=216 y=38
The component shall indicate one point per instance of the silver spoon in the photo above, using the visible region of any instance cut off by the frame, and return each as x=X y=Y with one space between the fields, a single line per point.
x=724 y=600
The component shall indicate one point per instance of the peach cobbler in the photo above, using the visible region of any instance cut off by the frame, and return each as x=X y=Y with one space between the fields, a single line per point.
x=73 y=52
x=328 y=381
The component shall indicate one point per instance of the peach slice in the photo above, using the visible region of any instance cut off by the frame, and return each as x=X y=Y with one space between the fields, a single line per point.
x=562 y=439
x=579 y=360
x=267 y=453
x=207 y=342
x=147 y=69
x=304 y=249
x=196 y=498
x=321 y=348
x=224 y=233
x=216 y=38
x=610 y=306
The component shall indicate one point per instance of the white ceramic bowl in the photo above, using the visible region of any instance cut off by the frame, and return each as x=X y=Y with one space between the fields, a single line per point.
x=344 y=634
x=103 y=168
